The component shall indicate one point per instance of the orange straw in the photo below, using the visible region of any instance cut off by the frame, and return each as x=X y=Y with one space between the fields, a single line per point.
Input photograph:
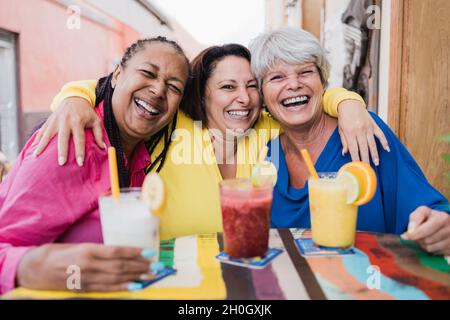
x=309 y=164
x=262 y=154
x=113 y=174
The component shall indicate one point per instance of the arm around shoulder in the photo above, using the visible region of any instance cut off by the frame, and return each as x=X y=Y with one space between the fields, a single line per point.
x=83 y=89
x=334 y=96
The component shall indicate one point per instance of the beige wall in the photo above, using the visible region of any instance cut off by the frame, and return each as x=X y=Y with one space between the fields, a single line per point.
x=333 y=39
x=312 y=14
x=279 y=13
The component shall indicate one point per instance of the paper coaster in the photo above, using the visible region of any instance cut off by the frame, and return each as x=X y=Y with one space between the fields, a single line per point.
x=254 y=263
x=161 y=274
x=308 y=248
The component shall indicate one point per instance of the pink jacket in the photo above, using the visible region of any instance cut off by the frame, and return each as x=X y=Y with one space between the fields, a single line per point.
x=42 y=202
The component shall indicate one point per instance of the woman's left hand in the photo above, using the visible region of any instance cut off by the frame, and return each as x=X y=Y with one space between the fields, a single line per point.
x=430 y=229
x=357 y=130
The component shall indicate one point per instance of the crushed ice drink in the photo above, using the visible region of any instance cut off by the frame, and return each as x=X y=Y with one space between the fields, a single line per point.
x=128 y=221
x=245 y=217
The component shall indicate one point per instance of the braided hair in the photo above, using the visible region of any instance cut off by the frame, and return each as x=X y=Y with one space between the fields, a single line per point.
x=104 y=92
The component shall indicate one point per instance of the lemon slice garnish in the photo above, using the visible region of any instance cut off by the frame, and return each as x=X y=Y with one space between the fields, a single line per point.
x=264 y=173
x=367 y=180
x=153 y=192
x=351 y=185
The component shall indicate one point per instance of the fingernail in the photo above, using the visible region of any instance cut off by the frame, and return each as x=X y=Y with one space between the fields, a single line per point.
x=146 y=277
x=387 y=149
x=61 y=160
x=134 y=286
x=35 y=153
x=411 y=227
x=156 y=267
x=403 y=236
x=377 y=162
x=148 y=253
x=80 y=161
x=104 y=146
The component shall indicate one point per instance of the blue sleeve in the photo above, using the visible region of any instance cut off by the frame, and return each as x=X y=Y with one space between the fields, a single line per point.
x=403 y=185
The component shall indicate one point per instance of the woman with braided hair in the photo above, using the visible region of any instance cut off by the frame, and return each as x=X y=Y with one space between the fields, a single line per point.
x=221 y=97
x=49 y=217
x=220 y=106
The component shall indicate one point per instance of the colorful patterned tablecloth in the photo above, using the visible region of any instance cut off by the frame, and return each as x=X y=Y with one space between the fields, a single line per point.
x=383 y=267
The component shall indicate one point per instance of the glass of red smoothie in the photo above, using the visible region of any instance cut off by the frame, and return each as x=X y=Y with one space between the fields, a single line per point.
x=245 y=217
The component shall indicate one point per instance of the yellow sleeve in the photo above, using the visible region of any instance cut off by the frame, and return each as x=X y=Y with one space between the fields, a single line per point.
x=334 y=96
x=268 y=126
x=265 y=121
x=83 y=89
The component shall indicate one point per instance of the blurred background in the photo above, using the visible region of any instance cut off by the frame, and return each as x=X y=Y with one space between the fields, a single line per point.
x=395 y=53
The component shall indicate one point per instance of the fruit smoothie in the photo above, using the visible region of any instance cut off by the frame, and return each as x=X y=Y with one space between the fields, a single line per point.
x=128 y=221
x=333 y=220
x=245 y=217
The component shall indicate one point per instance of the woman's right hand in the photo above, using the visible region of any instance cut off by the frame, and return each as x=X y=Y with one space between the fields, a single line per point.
x=71 y=117
x=101 y=268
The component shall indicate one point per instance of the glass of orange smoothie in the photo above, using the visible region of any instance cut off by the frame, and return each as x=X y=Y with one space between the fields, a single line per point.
x=334 y=198
x=333 y=219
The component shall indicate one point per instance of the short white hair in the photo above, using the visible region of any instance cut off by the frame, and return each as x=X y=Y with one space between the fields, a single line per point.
x=290 y=45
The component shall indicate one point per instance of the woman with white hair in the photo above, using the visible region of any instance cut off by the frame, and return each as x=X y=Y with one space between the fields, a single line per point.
x=221 y=104
x=292 y=71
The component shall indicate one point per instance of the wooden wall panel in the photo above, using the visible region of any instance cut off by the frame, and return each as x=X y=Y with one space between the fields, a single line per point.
x=425 y=85
x=311 y=11
x=395 y=65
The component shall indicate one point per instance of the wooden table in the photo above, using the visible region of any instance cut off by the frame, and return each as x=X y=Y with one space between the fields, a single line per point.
x=399 y=269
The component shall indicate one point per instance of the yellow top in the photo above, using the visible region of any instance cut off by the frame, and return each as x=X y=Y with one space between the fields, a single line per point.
x=86 y=89
x=190 y=173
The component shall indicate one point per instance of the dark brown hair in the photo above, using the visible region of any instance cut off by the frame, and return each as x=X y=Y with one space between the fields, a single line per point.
x=202 y=68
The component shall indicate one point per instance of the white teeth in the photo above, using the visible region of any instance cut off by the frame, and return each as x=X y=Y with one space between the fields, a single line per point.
x=239 y=113
x=295 y=100
x=146 y=106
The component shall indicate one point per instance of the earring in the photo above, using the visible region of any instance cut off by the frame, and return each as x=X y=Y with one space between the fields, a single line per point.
x=264 y=107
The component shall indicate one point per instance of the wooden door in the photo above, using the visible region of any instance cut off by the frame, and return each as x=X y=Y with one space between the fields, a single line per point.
x=420 y=82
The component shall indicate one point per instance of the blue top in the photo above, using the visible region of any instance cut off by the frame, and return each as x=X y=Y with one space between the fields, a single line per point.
x=401 y=187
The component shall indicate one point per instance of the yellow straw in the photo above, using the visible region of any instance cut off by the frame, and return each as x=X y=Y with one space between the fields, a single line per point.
x=309 y=164
x=262 y=154
x=113 y=174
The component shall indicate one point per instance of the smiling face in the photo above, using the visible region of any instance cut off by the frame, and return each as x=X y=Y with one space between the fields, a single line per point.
x=231 y=96
x=293 y=93
x=148 y=90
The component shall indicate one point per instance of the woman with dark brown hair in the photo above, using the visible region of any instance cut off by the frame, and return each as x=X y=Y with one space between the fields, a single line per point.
x=218 y=135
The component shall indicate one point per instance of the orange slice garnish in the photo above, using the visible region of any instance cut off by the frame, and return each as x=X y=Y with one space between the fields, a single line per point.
x=367 y=180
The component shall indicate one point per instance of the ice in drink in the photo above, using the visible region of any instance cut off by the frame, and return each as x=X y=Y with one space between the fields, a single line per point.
x=128 y=221
x=245 y=217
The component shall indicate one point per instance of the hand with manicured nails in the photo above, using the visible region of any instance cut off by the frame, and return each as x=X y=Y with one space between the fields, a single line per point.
x=430 y=229
x=73 y=116
x=357 y=130
x=102 y=268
